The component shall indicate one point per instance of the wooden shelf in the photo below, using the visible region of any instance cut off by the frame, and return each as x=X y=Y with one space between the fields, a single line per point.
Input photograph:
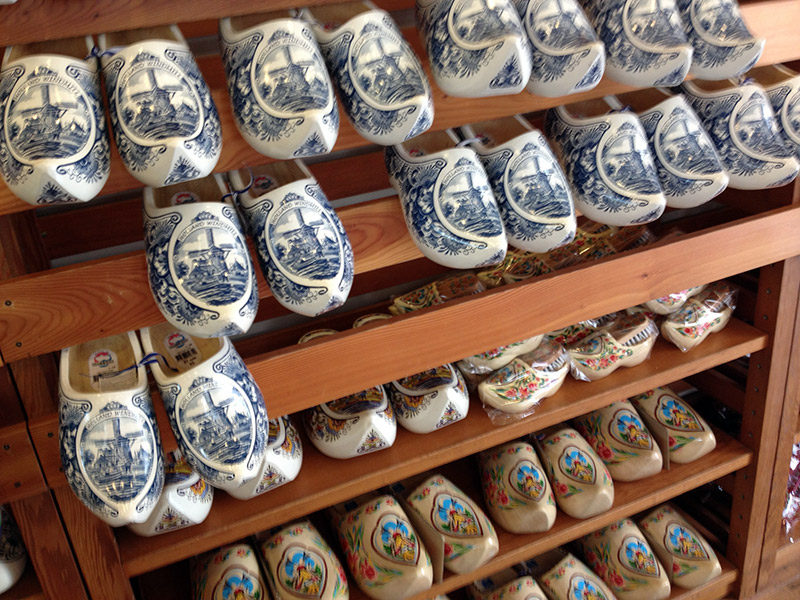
x=797 y=431
x=27 y=588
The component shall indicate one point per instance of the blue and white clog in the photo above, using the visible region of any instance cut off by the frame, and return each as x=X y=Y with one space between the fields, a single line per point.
x=13 y=555
x=782 y=85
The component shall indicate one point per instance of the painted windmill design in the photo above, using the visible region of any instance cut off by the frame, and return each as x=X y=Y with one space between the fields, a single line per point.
x=221 y=437
x=758 y=131
x=625 y=164
x=684 y=148
x=535 y=191
x=385 y=78
x=721 y=18
x=484 y=22
x=152 y=111
x=116 y=467
x=210 y=277
x=465 y=206
x=307 y=248
x=654 y=22
x=288 y=87
x=45 y=132
x=561 y=27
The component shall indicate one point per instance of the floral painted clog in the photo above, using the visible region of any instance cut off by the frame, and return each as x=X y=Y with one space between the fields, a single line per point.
x=214 y=406
x=381 y=83
x=385 y=555
x=686 y=555
x=110 y=445
x=447 y=201
x=496 y=358
x=476 y=48
x=164 y=121
x=582 y=485
x=229 y=572
x=281 y=94
x=299 y=564
x=619 y=437
x=686 y=160
x=430 y=400
x=742 y=125
x=608 y=161
x=782 y=86
x=706 y=313
x=516 y=490
x=303 y=249
x=570 y=579
x=567 y=56
x=13 y=555
x=645 y=41
x=185 y=501
x=437 y=292
x=530 y=188
x=668 y=304
x=723 y=46
x=524 y=588
x=198 y=264
x=283 y=458
x=469 y=537
x=623 y=558
x=53 y=138
x=687 y=435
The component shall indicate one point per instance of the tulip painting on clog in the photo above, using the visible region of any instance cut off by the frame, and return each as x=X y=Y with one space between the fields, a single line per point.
x=54 y=144
x=723 y=46
x=567 y=56
x=110 y=446
x=281 y=94
x=530 y=188
x=198 y=264
x=476 y=48
x=381 y=83
x=164 y=121
x=303 y=249
x=447 y=201
x=782 y=86
x=608 y=161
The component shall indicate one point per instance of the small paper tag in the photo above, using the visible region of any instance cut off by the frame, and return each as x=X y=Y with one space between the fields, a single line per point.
x=104 y=372
x=182 y=349
x=184 y=198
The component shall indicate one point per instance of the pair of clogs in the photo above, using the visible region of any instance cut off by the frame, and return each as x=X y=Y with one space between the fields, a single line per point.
x=707 y=312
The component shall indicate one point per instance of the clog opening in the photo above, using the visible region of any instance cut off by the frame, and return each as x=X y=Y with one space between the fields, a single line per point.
x=431 y=142
x=95 y=366
x=315 y=334
x=498 y=131
x=74 y=47
x=643 y=100
x=270 y=177
x=189 y=352
x=770 y=74
x=243 y=22
x=333 y=16
x=206 y=189
x=126 y=38
x=713 y=86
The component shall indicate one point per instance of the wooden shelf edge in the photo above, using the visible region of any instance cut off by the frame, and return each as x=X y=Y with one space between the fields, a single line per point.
x=788 y=553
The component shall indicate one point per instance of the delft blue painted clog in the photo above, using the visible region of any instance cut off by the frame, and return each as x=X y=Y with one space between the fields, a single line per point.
x=686 y=160
x=303 y=249
x=744 y=129
x=608 y=161
x=281 y=93
x=381 y=83
x=447 y=201
x=567 y=56
x=53 y=138
x=198 y=264
x=723 y=46
x=164 y=121
x=782 y=85
x=645 y=42
x=13 y=555
x=213 y=403
x=110 y=446
x=532 y=193
x=476 y=48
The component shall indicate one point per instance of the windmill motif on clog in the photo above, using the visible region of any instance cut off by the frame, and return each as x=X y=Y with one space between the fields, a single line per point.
x=636 y=555
x=576 y=465
x=682 y=542
x=395 y=539
x=302 y=571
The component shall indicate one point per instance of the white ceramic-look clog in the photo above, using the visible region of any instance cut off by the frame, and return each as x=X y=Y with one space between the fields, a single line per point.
x=303 y=249
x=723 y=46
x=645 y=41
x=185 y=501
x=570 y=579
x=567 y=56
x=532 y=193
x=198 y=264
x=782 y=86
x=281 y=94
x=110 y=446
x=447 y=201
x=299 y=565
x=621 y=556
x=214 y=406
x=229 y=572
x=13 y=555
x=608 y=162
x=582 y=485
x=618 y=436
x=687 y=557
x=381 y=83
x=476 y=48
x=741 y=123
x=430 y=400
x=164 y=121
x=53 y=137
x=469 y=537
x=385 y=555
x=516 y=490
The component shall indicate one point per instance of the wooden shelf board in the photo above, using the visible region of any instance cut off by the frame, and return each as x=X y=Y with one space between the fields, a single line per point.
x=19 y=22
x=27 y=588
x=788 y=553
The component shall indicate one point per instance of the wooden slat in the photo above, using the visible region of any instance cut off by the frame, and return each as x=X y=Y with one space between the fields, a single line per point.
x=719 y=386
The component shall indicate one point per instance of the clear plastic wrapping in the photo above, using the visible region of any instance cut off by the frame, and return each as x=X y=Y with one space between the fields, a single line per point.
x=671 y=303
x=707 y=312
x=438 y=292
x=477 y=367
x=514 y=391
x=626 y=341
